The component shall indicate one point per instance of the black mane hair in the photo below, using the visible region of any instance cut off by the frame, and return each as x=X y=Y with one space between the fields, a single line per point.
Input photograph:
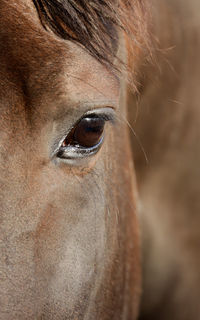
x=94 y=24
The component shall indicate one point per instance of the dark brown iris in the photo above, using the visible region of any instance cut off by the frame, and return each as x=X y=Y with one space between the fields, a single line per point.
x=87 y=133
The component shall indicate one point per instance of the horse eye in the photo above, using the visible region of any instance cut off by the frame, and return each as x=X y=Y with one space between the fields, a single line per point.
x=86 y=137
x=87 y=133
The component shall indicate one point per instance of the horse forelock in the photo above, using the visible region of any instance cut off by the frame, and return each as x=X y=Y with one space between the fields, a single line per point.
x=94 y=24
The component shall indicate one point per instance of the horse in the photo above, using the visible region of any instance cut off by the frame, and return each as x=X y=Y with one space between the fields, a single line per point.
x=69 y=230
x=70 y=206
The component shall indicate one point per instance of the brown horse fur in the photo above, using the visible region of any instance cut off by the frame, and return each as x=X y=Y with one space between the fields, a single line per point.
x=166 y=119
x=68 y=238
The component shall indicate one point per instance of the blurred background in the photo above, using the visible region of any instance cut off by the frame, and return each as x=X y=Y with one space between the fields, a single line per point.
x=165 y=117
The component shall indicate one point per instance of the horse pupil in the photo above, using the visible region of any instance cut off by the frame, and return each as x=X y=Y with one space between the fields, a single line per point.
x=88 y=132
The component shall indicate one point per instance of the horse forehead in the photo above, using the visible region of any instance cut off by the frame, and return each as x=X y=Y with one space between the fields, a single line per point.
x=40 y=55
x=86 y=77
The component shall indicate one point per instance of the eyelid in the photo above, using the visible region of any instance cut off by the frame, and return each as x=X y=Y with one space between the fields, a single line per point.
x=107 y=114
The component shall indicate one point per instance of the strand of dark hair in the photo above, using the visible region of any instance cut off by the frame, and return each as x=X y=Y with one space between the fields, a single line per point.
x=94 y=24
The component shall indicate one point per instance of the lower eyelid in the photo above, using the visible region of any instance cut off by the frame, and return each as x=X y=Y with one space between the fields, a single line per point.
x=72 y=152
